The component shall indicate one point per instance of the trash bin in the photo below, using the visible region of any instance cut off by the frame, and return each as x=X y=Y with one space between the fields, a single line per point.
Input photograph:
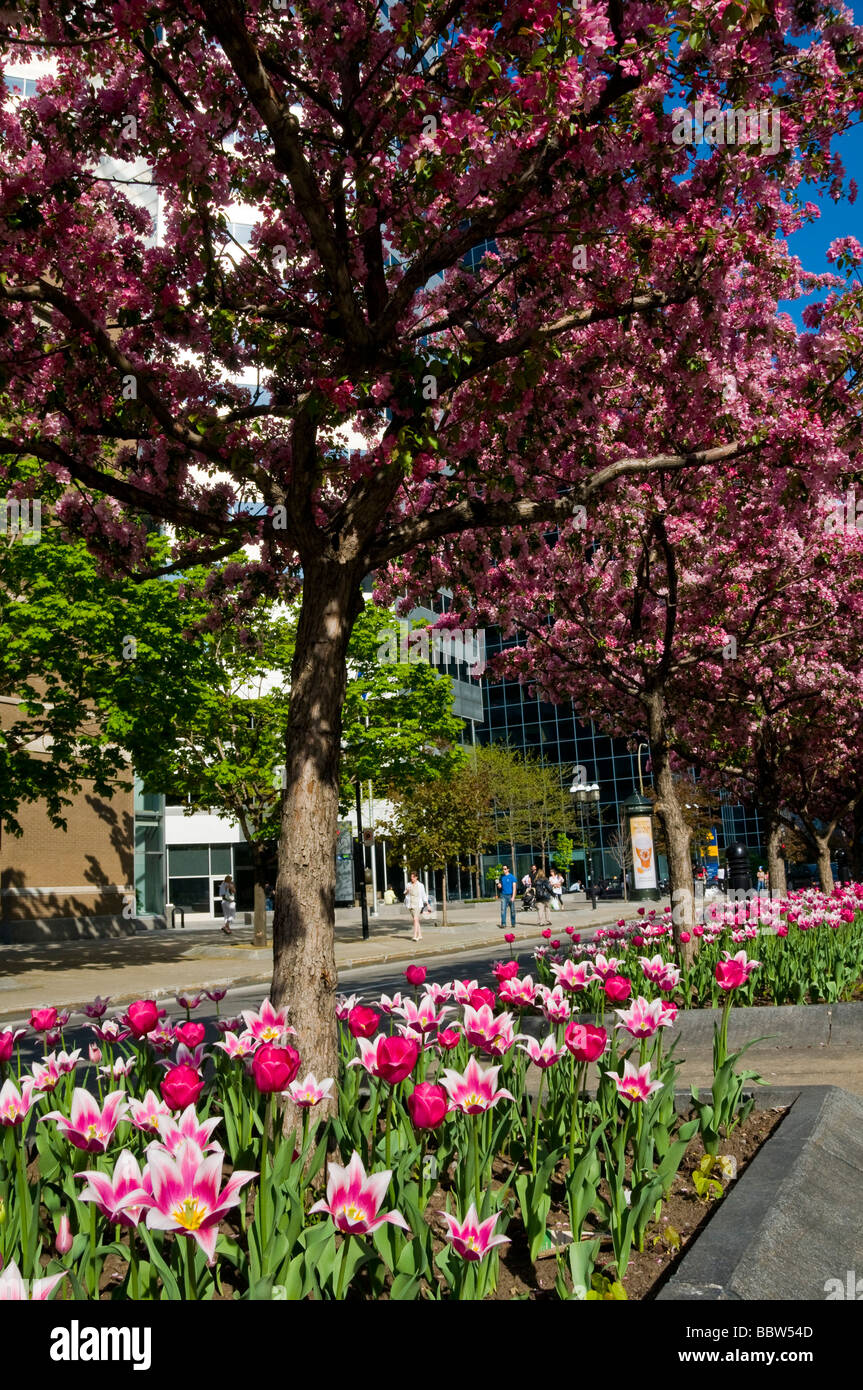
x=739 y=872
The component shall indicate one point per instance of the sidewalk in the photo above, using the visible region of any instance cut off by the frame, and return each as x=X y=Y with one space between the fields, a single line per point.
x=158 y=963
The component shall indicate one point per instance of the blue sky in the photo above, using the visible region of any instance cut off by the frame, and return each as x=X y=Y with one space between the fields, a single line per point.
x=837 y=219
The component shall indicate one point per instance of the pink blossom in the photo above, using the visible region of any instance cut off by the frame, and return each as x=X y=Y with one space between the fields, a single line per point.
x=424 y=1017
x=574 y=976
x=269 y=1025
x=173 y=1132
x=642 y=1018
x=463 y=989
x=240 y=1046
x=555 y=1005
x=734 y=971
x=635 y=1084
x=16 y=1105
x=186 y=1196
x=8 y=1040
x=191 y=1001
x=14 y=1289
x=63 y=1240
x=353 y=1200
x=43 y=1020
x=471 y=1238
x=121 y=1196
x=90 y=1127
x=585 y=1041
x=520 y=993
x=144 y=1114
x=98 y=1006
x=543 y=1054
x=310 y=1092
x=473 y=1091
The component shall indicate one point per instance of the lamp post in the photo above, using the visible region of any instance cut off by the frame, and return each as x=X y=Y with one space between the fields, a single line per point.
x=586 y=792
x=360 y=864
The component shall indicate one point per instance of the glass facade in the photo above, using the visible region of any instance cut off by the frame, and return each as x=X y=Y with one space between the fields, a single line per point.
x=559 y=736
x=149 y=852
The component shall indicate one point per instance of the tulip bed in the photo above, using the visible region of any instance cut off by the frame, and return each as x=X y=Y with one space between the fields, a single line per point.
x=168 y=1175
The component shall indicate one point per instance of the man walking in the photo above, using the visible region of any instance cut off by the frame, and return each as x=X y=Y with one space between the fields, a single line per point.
x=508 y=885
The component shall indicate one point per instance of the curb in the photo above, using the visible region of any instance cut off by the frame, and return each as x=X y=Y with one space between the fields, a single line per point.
x=787 y=1227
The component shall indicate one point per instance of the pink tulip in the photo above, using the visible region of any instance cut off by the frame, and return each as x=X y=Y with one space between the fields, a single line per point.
x=274 y=1068
x=344 y=1004
x=509 y=937
x=480 y=1025
x=574 y=976
x=63 y=1242
x=448 y=1038
x=415 y=975
x=782 y=930
x=14 y=1289
x=310 y=1092
x=390 y=1006
x=122 y=1066
x=98 y=1006
x=172 y=1133
x=642 y=1018
x=353 y=1199
x=122 y=1196
x=605 y=966
x=269 y=1025
x=16 y=1105
x=238 y=1047
x=473 y=1091
x=520 y=993
x=363 y=1022
x=505 y=970
x=190 y=1034
x=546 y=933
x=585 y=1041
x=482 y=996
x=555 y=1006
x=162 y=1039
x=186 y=1196
x=617 y=988
x=95 y=1054
x=635 y=1084
x=110 y=1031
x=390 y=1059
x=215 y=995
x=685 y=937
x=142 y=1017
x=463 y=989
x=471 y=1238
x=734 y=971
x=543 y=1055
x=188 y=1001
x=8 y=1040
x=428 y=1105
x=181 y=1087
x=43 y=1020
x=424 y=1017
x=144 y=1114
x=89 y=1127
x=669 y=1013
x=439 y=994
x=45 y=1077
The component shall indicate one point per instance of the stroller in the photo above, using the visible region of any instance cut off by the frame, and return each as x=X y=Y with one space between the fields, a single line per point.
x=528 y=900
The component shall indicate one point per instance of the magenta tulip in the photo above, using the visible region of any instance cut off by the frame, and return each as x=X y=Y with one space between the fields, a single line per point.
x=363 y=1022
x=142 y=1017
x=181 y=1087
x=43 y=1020
x=482 y=996
x=428 y=1105
x=617 y=988
x=585 y=1041
x=396 y=1058
x=190 y=1034
x=415 y=974
x=274 y=1068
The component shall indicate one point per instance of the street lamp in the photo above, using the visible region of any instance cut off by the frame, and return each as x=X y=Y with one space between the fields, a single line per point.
x=586 y=792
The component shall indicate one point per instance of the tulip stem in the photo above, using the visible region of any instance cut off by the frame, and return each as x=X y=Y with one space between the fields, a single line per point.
x=423 y=1170
x=475 y=1153
x=536 y=1122
x=343 y=1268
x=93 y=1279
x=389 y=1123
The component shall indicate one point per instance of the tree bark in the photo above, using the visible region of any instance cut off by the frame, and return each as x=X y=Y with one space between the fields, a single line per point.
x=678 y=835
x=304 y=969
x=825 y=873
x=775 y=862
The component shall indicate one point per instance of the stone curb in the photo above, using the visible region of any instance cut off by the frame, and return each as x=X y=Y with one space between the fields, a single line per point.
x=793 y=1221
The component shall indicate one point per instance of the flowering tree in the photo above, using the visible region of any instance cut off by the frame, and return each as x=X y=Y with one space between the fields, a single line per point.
x=414 y=389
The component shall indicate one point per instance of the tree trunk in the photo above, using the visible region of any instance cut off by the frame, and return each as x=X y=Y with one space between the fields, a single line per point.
x=825 y=873
x=678 y=835
x=259 y=932
x=857 y=845
x=775 y=862
x=479 y=884
x=304 y=969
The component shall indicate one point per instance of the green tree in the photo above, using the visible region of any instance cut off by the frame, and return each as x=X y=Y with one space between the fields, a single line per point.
x=438 y=821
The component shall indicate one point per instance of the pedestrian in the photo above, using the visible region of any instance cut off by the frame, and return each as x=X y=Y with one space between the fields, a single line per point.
x=555 y=880
x=415 y=899
x=228 y=894
x=269 y=898
x=508 y=884
x=528 y=880
x=542 y=889
x=761 y=879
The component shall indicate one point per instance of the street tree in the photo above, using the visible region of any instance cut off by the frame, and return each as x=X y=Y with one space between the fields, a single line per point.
x=413 y=387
